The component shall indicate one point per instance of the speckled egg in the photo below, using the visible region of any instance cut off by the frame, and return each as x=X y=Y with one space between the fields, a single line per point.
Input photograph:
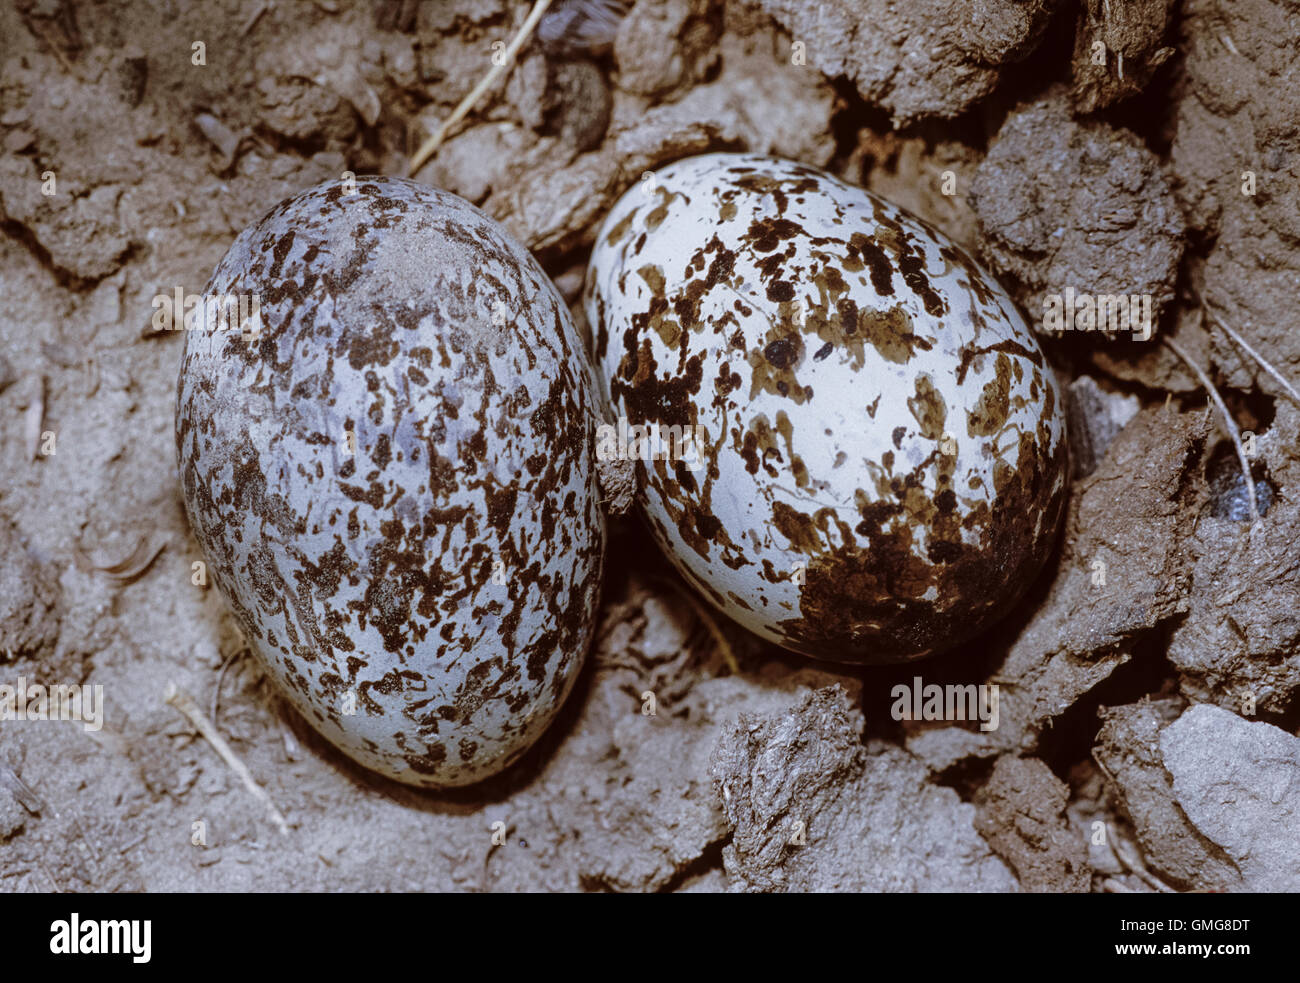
x=882 y=443
x=393 y=477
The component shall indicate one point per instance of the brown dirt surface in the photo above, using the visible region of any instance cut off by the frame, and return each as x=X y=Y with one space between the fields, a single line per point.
x=1157 y=659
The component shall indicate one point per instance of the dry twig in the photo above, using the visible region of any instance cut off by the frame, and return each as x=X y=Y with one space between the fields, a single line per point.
x=1264 y=363
x=462 y=110
x=221 y=678
x=1230 y=424
x=706 y=619
x=130 y=567
x=183 y=702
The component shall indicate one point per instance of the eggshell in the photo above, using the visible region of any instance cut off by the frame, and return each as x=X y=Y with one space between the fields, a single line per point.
x=393 y=483
x=883 y=448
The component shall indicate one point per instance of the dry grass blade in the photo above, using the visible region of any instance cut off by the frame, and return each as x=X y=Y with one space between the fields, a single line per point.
x=462 y=110
x=23 y=792
x=45 y=35
x=1263 y=362
x=1230 y=425
x=253 y=18
x=34 y=416
x=1131 y=860
x=221 y=678
x=183 y=702
x=706 y=619
x=126 y=570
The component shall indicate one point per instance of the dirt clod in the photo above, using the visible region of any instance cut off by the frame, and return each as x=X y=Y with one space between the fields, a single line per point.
x=1117 y=49
x=812 y=809
x=916 y=59
x=30 y=598
x=1022 y=815
x=1238 y=783
x=1068 y=204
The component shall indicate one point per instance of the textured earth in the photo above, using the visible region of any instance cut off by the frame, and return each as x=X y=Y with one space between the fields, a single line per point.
x=1145 y=684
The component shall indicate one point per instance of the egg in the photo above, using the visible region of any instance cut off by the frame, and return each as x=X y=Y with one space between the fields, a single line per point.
x=390 y=471
x=847 y=437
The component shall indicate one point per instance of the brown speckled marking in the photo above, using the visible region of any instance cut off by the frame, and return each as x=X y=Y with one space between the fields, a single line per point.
x=372 y=573
x=831 y=342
